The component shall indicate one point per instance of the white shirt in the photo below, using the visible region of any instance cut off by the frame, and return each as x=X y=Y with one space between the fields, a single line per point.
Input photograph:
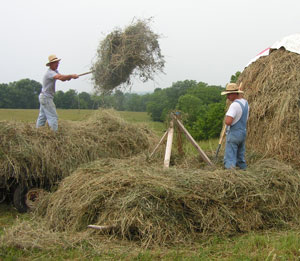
x=235 y=110
x=49 y=83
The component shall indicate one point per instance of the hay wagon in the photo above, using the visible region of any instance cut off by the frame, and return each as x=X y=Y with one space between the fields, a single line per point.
x=34 y=160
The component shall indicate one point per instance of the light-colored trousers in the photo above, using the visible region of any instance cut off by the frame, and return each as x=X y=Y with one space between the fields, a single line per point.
x=47 y=113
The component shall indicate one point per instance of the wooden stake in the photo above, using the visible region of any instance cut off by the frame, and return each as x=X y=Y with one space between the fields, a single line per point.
x=179 y=137
x=169 y=146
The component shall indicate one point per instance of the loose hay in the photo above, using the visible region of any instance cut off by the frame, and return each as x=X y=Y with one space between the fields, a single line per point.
x=123 y=54
x=271 y=85
x=156 y=206
x=41 y=156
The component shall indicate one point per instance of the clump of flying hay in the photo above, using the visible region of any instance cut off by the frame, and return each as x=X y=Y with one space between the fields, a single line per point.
x=152 y=206
x=271 y=85
x=133 y=51
x=40 y=156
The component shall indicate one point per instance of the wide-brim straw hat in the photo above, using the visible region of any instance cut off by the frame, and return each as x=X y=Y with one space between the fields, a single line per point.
x=231 y=88
x=51 y=59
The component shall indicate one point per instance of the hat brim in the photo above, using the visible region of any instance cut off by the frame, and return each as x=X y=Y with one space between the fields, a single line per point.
x=228 y=92
x=55 y=60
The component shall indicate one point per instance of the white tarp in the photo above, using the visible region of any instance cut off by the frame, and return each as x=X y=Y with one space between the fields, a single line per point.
x=290 y=43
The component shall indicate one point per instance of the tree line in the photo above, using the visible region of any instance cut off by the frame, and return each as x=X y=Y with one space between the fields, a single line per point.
x=23 y=94
x=201 y=105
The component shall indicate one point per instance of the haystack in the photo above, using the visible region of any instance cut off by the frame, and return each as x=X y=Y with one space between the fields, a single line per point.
x=271 y=85
x=154 y=206
x=39 y=155
x=123 y=54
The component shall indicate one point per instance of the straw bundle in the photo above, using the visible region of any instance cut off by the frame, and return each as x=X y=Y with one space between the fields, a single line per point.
x=41 y=156
x=156 y=206
x=133 y=51
x=271 y=86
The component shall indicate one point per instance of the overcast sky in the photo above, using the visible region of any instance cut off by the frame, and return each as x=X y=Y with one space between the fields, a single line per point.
x=201 y=40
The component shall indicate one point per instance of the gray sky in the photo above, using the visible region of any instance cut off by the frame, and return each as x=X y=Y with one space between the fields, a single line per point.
x=201 y=40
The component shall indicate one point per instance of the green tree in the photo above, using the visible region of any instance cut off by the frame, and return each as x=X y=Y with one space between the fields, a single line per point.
x=70 y=100
x=157 y=104
x=119 y=100
x=209 y=124
x=191 y=105
x=162 y=101
x=85 y=101
x=6 y=97
x=59 y=99
x=207 y=94
x=235 y=77
x=25 y=93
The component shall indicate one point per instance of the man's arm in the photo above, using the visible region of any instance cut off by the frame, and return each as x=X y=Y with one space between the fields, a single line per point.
x=65 y=77
x=228 y=120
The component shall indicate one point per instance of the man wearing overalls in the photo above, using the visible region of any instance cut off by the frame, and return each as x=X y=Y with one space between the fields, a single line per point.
x=236 y=123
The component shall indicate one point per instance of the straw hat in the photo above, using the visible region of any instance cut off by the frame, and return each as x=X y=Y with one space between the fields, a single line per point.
x=231 y=88
x=52 y=58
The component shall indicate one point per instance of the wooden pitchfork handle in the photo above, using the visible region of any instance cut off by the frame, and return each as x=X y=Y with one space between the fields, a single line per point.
x=221 y=139
x=84 y=73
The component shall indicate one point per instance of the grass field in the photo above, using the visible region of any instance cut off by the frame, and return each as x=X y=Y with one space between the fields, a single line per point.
x=266 y=245
x=30 y=115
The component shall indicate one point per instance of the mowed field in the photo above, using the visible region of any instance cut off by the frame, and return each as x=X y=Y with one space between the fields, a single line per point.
x=264 y=245
x=30 y=115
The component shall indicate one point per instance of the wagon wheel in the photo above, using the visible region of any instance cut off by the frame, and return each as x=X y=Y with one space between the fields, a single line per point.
x=2 y=196
x=26 y=199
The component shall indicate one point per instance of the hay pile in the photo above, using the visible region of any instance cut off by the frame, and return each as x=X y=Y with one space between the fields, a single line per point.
x=271 y=86
x=133 y=51
x=41 y=156
x=156 y=206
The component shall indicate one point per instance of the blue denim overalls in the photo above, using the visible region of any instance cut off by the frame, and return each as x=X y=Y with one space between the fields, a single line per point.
x=235 y=142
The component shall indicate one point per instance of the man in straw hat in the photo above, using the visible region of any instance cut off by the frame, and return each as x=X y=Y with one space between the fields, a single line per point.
x=47 y=106
x=236 y=122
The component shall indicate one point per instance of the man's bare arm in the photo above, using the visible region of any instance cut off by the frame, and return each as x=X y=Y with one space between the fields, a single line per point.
x=228 y=120
x=67 y=77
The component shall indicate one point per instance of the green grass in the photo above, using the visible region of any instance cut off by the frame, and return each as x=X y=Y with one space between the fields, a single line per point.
x=267 y=245
x=144 y=118
x=30 y=115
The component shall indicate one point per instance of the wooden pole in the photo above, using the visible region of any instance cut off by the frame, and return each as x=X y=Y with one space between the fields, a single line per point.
x=195 y=144
x=169 y=145
x=81 y=74
x=179 y=137
x=160 y=142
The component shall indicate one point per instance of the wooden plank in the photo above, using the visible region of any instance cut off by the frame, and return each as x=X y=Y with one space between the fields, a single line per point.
x=169 y=146
x=195 y=144
x=160 y=142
